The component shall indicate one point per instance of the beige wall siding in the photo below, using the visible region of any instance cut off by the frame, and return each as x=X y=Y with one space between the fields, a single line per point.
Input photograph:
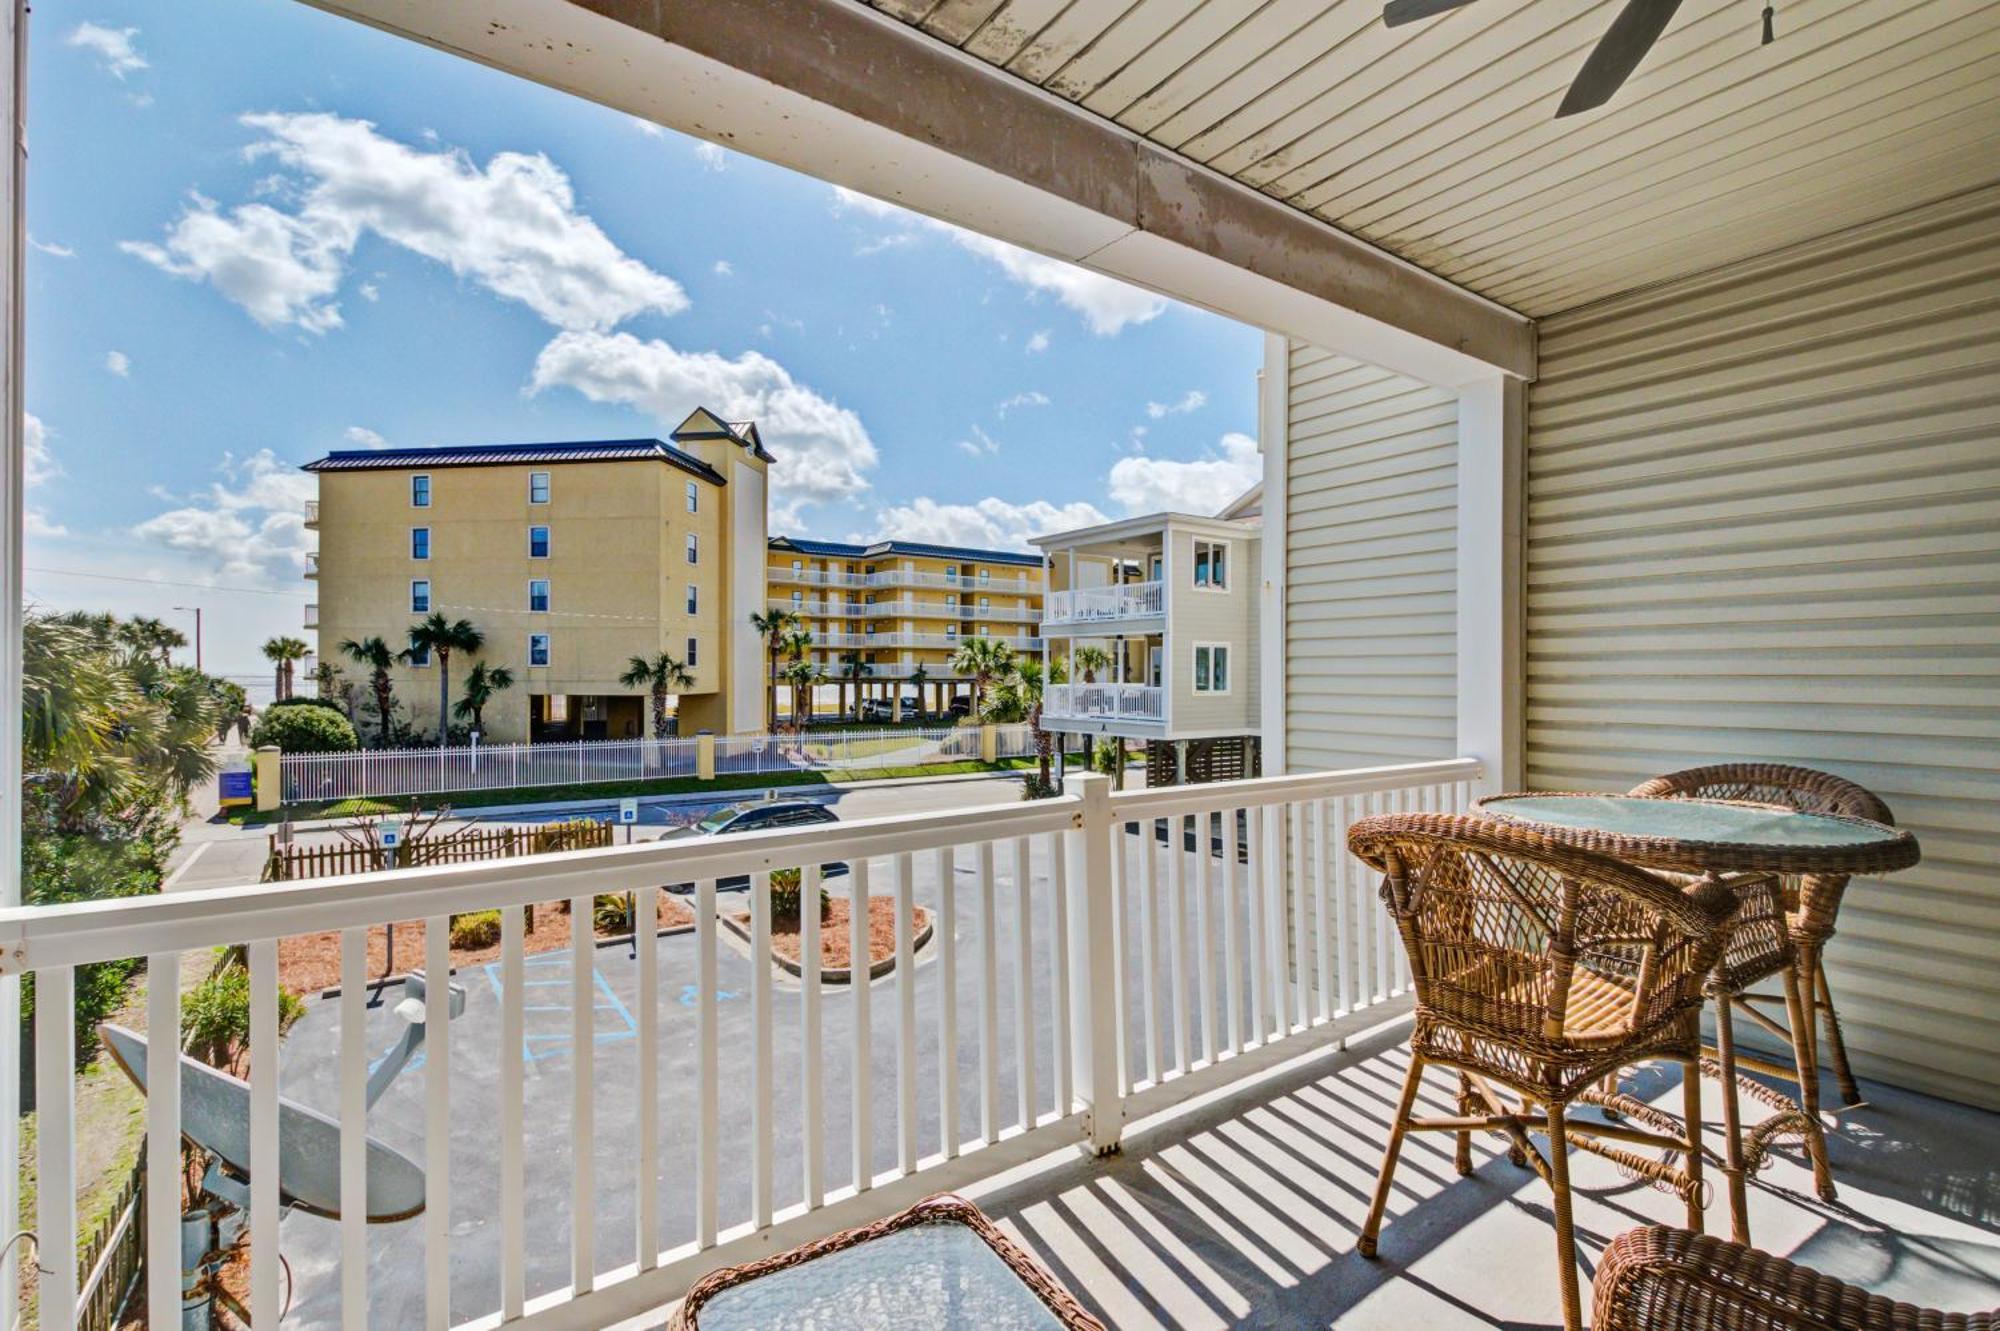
x=1371 y=556
x=1200 y=615
x=1764 y=523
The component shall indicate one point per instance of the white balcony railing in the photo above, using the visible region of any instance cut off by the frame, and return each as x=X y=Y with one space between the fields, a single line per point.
x=312 y=563
x=818 y=577
x=312 y=615
x=1148 y=935
x=1095 y=605
x=1105 y=702
x=836 y=608
x=312 y=513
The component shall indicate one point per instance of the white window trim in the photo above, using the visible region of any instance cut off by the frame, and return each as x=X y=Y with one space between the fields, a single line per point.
x=428 y=596
x=693 y=653
x=426 y=555
x=693 y=497
x=693 y=601
x=549 y=542
x=429 y=490
x=1228 y=566
x=692 y=548
x=548 y=487
x=1228 y=671
x=425 y=664
x=548 y=596
x=548 y=647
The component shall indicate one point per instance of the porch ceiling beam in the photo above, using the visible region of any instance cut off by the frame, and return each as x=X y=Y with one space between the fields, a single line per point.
x=838 y=91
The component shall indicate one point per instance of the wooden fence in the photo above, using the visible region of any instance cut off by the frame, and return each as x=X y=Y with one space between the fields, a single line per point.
x=108 y=1264
x=461 y=846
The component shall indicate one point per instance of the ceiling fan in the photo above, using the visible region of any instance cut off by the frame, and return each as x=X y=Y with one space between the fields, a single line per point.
x=1611 y=62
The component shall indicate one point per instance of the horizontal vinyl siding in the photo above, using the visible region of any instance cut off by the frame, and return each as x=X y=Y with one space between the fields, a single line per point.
x=1371 y=565
x=1764 y=523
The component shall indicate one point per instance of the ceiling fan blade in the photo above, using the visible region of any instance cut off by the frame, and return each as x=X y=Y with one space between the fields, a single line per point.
x=1398 y=12
x=1617 y=54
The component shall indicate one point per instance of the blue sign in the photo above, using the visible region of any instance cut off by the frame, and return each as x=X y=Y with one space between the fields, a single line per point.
x=235 y=788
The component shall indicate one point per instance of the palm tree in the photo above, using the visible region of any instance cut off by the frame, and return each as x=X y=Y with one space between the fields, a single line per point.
x=852 y=671
x=481 y=683
x=1018 y=697
x=661 y=677
x=797 y=644
x=441 y=636
x=281 y=652
x=378 y=657
x=1090 y=660
x=151 y=636
x=984 y=659
x=774 y=628
x=326 y=679
x=802 y=675
x=920 y=677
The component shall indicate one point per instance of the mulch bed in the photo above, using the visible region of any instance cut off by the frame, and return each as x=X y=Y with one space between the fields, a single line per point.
x=309 y=963
x=834 y=952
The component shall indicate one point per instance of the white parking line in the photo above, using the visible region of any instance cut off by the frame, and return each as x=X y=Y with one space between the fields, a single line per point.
x=186 y=864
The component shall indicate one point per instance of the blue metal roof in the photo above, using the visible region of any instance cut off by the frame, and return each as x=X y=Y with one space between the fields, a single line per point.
x=494 y=455
x=915 y=549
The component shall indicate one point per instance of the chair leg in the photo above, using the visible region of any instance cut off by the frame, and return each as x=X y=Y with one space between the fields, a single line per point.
x=1691 y=1116
x=1565 y=1225
x=1836 y=1046
x=1815 y=1138
x=1372 y=1227
x=1468 y=1105
x=1732 y=1122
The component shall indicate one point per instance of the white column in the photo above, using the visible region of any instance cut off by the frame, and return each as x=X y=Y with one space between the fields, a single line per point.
x=1490 y=698
x=1273 y=430
x=13 y=103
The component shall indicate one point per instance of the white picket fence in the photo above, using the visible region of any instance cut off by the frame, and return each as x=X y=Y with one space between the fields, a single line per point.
x=332 y=776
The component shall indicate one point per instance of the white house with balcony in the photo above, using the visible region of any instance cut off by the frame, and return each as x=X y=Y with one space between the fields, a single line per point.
x=1154 y=621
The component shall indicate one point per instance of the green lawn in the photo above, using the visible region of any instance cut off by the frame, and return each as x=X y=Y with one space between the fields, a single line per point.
x=612 y=790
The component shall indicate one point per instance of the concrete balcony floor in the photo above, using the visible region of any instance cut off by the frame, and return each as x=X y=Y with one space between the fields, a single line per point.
x=1239 y=1209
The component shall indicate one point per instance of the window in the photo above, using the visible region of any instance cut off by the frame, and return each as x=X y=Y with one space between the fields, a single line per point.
x=538 y=487
x=694 y=599
x=694 y=652
x=985 y=604
x=1211 y=564
x=798 y=599
x=538 y=595
x=420 y=491
x=951 y=600
x=951 y=573
x=951 y=630
x=420 y=542
x=538 y=542
x=420 y=596
x=985 y=574
x=798 y=567
x=538 y=649
x=1211 y=668
x=694 y=553
x=694 y=498
x=418 y=657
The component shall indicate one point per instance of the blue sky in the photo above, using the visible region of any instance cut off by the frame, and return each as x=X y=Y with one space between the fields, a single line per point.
x=261 y=233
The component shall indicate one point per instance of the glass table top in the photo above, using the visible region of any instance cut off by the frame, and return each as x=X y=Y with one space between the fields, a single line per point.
x=927 y=1276
x=1709 y=821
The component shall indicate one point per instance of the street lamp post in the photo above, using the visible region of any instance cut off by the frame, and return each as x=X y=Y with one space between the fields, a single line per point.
x=197 y=633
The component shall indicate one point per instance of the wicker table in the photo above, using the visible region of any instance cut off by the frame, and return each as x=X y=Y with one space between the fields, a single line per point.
x=939 y=1266
x=1720 y=838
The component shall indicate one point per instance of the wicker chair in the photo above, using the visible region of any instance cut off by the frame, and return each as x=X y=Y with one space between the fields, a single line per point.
x=1812 y=901
x=1544 y=969
x=1659 y=1279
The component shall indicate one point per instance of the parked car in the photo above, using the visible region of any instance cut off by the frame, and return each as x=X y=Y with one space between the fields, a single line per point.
x=959 y=706
x=755 y=816
x=882 y=709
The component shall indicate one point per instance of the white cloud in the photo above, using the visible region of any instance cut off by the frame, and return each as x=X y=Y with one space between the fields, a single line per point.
x=1037 y=343
x=822 y=449
x=362 y=435
x=113 y=47
x=1192 y=400
x=1034 y=397
x=51 y=247
x=38 y=464
x=1203 y=486
x=118 y=363
x=647 y=127
x=1106 y=304
x=369 y=292
x=512 y=226
x=994 y=524
x=980 y=445
x=723 y=268
x=712 y=156
x=249 y=524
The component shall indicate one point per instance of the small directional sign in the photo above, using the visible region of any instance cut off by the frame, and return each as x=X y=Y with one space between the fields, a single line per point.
x=390 y=835
x=628 y=811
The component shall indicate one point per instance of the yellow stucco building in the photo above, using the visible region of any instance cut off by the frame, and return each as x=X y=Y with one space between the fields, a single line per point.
x=900 y=607
x=570 y=558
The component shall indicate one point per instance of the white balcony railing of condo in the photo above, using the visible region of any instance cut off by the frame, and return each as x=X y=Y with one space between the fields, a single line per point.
x=312 y=563
x=727 y=1145
x=1091 y=605
x=312 y=512
x=860 y=609
x=312 y=615
x=815 y=577
x=1128 y=702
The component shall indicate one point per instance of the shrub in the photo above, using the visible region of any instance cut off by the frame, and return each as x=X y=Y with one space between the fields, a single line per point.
x=305 y=730
x=1034 y=788
x=215 y=1016
x=58 y=867
x=611 y=913
x=327 y=703
x=475 y=929
x=787 y=887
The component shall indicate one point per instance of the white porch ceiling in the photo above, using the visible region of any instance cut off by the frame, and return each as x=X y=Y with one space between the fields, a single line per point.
x=1437 y=141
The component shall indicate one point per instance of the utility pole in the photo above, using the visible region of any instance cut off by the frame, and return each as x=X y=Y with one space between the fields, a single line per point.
x=197 y=633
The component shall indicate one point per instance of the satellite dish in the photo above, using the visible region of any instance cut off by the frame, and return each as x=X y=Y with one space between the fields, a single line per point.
x=215 y=1116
